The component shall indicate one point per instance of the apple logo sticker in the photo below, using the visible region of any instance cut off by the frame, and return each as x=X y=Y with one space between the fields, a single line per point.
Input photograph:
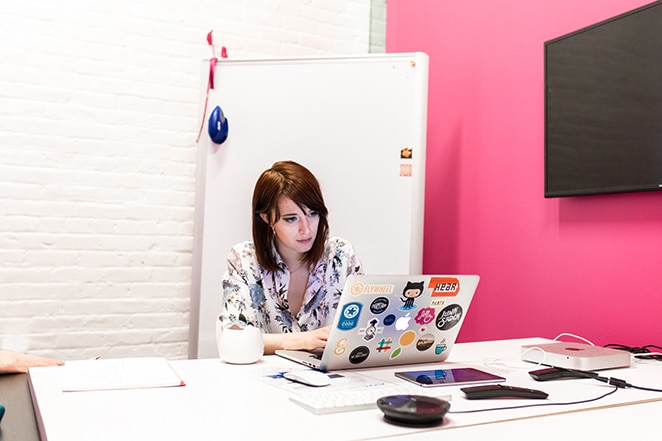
x=402 y=323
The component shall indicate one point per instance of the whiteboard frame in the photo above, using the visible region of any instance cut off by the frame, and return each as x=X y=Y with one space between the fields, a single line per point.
x=412 y=71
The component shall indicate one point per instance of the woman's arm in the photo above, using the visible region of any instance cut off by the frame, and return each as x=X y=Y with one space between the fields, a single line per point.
x=308 y=340
x=16 y=363
x=242 y=294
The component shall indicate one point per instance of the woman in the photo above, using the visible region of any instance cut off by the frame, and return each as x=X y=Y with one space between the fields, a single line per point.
x=288 y=280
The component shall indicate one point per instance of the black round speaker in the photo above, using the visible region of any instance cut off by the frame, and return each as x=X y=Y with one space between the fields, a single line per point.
x=413 y=410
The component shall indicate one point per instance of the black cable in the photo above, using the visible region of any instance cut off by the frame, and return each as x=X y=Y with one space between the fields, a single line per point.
x=613 y=381
x=642 y=352
x=616 y=382
x=646 y=388
x=623 y=384
x=538 y=404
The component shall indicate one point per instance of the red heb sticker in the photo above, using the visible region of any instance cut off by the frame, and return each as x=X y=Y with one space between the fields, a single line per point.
x=444 y=286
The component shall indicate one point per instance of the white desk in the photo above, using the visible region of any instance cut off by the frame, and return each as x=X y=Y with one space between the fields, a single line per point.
x=222 y=401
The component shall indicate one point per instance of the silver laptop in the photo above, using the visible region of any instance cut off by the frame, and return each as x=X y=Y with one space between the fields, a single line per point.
x=391 y=320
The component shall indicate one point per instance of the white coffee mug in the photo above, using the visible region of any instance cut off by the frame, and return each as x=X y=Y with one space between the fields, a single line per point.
x=239 y=345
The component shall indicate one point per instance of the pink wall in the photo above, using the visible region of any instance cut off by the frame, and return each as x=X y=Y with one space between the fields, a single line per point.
x=586 y=265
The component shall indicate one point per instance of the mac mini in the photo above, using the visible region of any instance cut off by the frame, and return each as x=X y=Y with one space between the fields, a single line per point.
x=578 y=356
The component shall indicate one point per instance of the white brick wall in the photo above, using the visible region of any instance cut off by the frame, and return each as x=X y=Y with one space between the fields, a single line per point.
x=99 y=112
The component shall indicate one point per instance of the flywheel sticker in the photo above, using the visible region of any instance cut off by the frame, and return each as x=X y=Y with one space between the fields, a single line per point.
x=356 y=289
x=359 y=288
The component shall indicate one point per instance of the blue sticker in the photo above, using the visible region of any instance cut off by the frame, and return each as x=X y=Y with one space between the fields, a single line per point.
x=349 y=316
x=441 y=347
x=389 y=320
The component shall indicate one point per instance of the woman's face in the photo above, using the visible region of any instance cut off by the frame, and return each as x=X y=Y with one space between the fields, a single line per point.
x=296 y=229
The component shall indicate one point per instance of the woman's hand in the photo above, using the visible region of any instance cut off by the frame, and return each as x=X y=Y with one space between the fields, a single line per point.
x=313 y=339
x=15 y=362
x=307 y=341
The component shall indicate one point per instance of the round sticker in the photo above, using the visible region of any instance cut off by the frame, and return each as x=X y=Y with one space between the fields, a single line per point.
x=449 y=317
x=425 y=342
x=379 y=305
x=359 y=355
x=356 y=289
x=407 y=338
x=389 y=320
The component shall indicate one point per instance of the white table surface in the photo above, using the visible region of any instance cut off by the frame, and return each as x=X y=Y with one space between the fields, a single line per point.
x=222 y=401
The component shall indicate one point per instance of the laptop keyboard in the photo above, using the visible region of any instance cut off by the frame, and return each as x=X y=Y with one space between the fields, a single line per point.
x=326 y=402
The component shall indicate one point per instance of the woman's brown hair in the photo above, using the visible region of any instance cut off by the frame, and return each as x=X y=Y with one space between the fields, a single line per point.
x=293 y=180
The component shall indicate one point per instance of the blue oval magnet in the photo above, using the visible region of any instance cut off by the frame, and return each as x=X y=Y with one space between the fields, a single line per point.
x=218 y=126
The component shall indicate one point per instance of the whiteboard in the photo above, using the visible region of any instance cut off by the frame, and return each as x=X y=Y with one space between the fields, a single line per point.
x=348 y=120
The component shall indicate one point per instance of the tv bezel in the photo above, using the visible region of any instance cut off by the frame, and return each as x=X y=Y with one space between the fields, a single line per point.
x=598 y=190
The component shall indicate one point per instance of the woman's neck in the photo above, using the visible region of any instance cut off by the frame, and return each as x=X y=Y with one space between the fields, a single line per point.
x=292 y=259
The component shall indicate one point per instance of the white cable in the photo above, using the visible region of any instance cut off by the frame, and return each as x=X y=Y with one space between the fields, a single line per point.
x=565 y=334
x=501 y=363
x=634 y=358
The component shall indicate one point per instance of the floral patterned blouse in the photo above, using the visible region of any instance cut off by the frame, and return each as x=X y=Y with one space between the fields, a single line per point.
x=259 y=297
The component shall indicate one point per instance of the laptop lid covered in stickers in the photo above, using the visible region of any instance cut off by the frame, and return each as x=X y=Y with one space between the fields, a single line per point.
x=393 y=319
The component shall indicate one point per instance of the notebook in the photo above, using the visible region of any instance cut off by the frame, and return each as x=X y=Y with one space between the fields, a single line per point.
x=391 y=320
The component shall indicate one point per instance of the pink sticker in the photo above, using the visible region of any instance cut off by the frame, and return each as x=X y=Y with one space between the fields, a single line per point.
x=424 y=316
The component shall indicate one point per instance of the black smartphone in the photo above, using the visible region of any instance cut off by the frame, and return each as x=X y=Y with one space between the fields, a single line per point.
x=449 y=377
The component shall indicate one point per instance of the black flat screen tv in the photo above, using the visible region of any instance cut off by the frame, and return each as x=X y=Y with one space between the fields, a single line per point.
x=603 y=107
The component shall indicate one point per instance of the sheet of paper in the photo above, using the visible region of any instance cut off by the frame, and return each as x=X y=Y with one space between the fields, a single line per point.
x=345 y=380
x=120 y=373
